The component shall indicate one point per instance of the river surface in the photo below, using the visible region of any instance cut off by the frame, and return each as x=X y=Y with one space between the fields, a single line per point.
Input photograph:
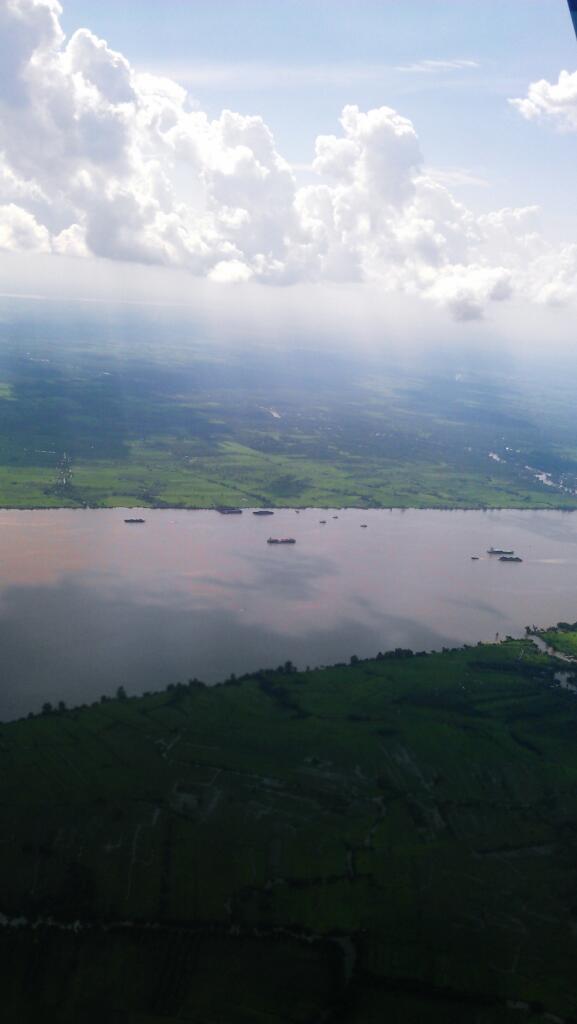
x=88 y=603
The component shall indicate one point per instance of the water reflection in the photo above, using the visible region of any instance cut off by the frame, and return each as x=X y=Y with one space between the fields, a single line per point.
x=88 y=603
x=69 y=642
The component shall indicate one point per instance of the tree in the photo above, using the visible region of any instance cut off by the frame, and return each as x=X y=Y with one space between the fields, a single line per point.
x=47 y=708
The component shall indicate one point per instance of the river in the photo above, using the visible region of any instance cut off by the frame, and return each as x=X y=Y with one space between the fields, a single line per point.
x=88 y=602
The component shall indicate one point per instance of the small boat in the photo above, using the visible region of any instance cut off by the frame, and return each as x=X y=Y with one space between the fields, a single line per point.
x=510 y=558
x=135 y=520
x=224 y=511
x=262 y=512
x=499 y=551
x=474 y=558
x=363 y=526
x=323 y=522
x=281 y=540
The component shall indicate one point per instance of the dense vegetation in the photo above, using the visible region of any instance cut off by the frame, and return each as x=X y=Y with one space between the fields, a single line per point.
x=389 y=840
x=139 y=412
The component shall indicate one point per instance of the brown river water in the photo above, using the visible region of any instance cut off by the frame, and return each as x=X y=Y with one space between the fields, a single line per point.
x=88 y=603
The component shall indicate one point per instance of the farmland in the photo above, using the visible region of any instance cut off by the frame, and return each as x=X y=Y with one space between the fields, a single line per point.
x=388 y=839
x=146 y=414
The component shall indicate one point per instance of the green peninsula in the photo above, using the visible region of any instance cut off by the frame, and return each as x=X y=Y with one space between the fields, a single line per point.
x=391 y=840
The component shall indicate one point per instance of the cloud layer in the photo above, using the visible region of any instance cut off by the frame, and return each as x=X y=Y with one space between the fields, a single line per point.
x=97 y=159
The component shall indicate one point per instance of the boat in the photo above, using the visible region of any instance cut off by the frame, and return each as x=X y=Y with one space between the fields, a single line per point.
x=135 y=520
x=281 y=540
x=224 y=511
x=474 y=558
x=499 y=551
x=363 y=526
x=510 y=558
x=262 y=512
x=323 y=522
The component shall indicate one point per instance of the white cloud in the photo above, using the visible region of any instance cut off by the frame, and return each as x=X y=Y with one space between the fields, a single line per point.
x=20 y=231
x=100 y=160
x=466 y=290
x=257 y=75
x=456 y=64
x=230 y=272
x=454 y=177
x=555 y=102
x=29 y=29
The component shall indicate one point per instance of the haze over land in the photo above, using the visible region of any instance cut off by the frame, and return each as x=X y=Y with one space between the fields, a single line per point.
x=143 y=408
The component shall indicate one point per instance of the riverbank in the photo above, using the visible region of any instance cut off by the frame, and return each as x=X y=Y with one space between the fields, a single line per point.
x=233 y=474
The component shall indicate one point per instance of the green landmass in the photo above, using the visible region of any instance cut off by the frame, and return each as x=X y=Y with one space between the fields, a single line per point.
x=562 y=638
x=391 y=840
x=142 y=414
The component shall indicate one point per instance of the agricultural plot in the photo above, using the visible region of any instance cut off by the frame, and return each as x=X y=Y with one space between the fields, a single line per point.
x=371 y=841
x=137 y=414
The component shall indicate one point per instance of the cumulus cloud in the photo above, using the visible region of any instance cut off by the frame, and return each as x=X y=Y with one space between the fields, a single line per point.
x=20 y=231
x=551 y=101
x=100 y=160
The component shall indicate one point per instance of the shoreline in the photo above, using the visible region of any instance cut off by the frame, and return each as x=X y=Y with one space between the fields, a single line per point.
x=290 y=508
x=269 y=673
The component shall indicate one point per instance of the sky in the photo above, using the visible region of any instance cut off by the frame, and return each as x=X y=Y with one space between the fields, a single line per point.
x=423 y=151
x=299 y=62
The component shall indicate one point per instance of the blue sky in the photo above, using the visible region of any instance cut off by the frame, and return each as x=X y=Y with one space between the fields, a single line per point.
x=297 y=63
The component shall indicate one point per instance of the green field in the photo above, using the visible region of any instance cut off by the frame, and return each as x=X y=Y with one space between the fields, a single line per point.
x=141 y=413
x=563 y=638
x=392 y=840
